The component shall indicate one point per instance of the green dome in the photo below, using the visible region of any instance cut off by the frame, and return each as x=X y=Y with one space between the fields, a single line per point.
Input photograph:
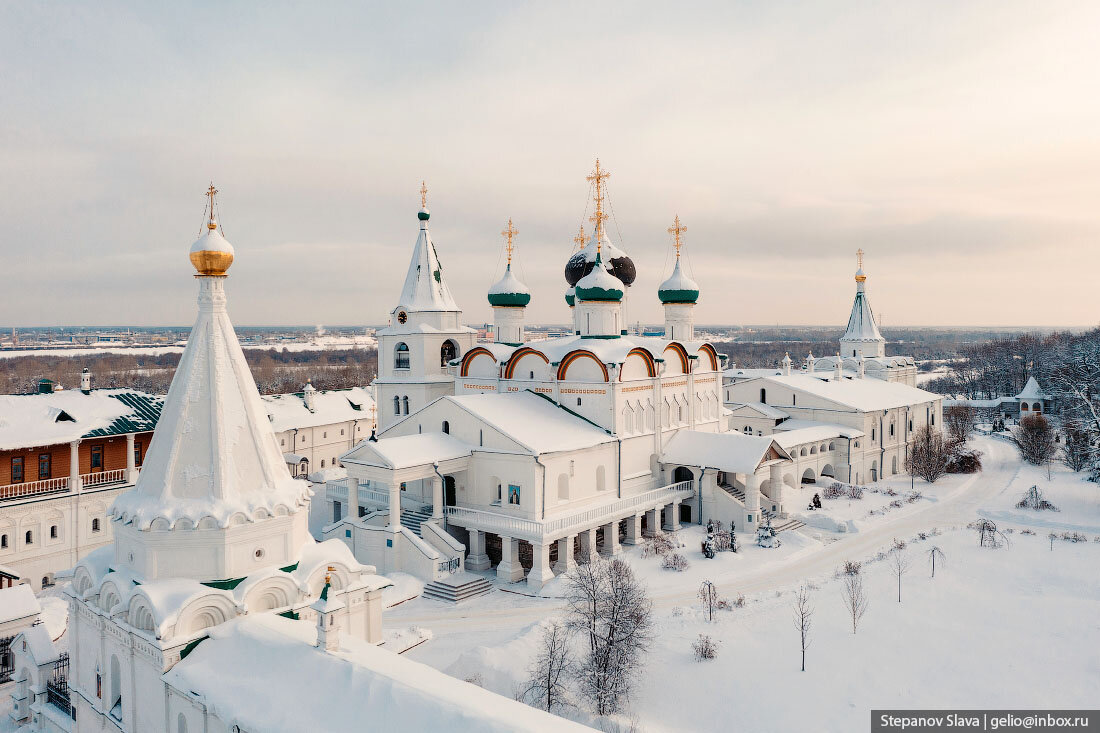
x=571 y=297
x=599 y=285
x=679 y=288
x=423 y=215
x=509 y=292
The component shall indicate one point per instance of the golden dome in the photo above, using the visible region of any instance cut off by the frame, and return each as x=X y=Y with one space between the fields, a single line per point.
x=860 y=277
x=212 y=255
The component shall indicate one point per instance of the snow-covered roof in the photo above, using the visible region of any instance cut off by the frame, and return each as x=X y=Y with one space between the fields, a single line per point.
x=18 y=602
x=358 y=682
x=678 y=288
x=425 y=287
x=864 y=395
x=60 y=417
x=407 y=451
x=797 y=432
x=534 y=422
x=288 y=411
x=732 y=452
x=39 y=644
x=509 y=291
x=740 y=375
x=1032 y=391
x=760 y=408
x=861 y=322
x=214 y=453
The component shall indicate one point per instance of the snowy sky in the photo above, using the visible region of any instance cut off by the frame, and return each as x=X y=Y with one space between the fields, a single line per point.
x=957 y=143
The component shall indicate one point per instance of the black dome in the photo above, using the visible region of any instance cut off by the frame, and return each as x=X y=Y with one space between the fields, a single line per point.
x=620 y=267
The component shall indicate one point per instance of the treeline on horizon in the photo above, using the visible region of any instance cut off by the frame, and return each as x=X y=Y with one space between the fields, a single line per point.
x=275 y=371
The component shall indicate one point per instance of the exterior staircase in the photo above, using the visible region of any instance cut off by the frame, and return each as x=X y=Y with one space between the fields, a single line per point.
x=457 y=587
x=735 y=492
x=413 y=518
x=789 y=524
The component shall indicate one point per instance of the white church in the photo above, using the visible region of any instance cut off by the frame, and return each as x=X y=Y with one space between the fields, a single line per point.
x=525 y=456
x=214 y=609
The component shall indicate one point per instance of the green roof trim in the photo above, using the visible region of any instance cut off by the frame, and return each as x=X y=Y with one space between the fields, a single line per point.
x=227 y=584
x=191 y=647
x=290 y=568
x=509 y=300
x=292 y=615
x=686 y=297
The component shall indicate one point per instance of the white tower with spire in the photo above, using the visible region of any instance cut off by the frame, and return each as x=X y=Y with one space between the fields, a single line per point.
x=425 y=334
x=862 y=337
x=509 y=298
x=679 y=293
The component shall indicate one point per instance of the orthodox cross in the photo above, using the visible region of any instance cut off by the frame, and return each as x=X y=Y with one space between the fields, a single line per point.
x=859 y=257
x=423 y=195
x=598 y=177
x=676 y=230
x=510 y=232
x=211 y=192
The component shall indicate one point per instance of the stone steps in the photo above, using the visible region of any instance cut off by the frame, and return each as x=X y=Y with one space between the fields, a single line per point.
x=458 y=587
x=788 y=525
x=735 y=492
x=414 y=518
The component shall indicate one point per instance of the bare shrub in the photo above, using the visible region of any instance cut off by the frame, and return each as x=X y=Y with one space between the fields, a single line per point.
x=676 y=562
x=704 y=648
x=851 y=567
x=899 y=564
x=929 y=455
x=960 y=421
x=933 y=553
x=708 y=594
x=1035 y=439
x=1033 y=499
x=855 y=599
x=659 y=545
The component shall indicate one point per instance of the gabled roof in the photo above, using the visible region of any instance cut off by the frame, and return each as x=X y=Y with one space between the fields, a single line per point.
x=760 y=409
x=287 y=411
x=864 y=395
x=535 y=422
x=425 y=287
x=796 y=432
x=18 y=602
x=732 y=452
x=60 y=417
x=407 y=451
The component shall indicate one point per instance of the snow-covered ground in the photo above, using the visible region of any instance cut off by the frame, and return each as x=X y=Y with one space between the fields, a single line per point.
x=318 y=343
x=996 y=628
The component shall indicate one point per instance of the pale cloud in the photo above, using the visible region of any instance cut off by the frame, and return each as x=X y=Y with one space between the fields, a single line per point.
x=956 y=143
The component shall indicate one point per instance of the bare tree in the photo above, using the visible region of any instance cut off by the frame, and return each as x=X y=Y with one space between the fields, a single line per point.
x=609 y=605
x=899 y=565
x=1077 y=453
x=855 y=599
x=933 y=553
x=1035 y=439
x=929 y=455
x=988 y=534
x=551 y=670
x=803 y=620
x=960 y=421
x=708 y=594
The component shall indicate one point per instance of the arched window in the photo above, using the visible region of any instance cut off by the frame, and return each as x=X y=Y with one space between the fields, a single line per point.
x=1036 y=407
x=891 y=430
x=748 y=430
x=3 y=541
x=763 y=396
x=1024 y=407
x=401 y=356
x=447 y=352
x=116 y=689
x=405 y=403
x=53 y=532
x=396 y=405
x=30 y=537
x=446 y=427
x=628 y=420
x=322 y=463
x=95 y=525
x=181 y=724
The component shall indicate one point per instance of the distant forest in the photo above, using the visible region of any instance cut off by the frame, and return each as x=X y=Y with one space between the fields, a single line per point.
x=275 y=371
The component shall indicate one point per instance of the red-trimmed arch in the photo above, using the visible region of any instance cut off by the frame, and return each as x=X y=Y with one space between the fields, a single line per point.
x=682 y=353
x=572 y=356
x=469 y=356
x=650 y=363
x=518 y=354
x=712 y=354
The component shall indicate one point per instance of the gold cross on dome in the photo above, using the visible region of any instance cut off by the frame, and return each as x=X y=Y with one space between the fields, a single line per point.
x=510 y=232
x=859 y=257
x=423 y=195
x=579 y=239
x=598 y=177
x=676 y=230
x=210 y=193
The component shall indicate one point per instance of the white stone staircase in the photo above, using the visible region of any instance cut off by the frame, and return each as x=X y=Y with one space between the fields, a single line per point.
x=735 y=492
x=413 y=518
x=457 y=587
x=788 y=525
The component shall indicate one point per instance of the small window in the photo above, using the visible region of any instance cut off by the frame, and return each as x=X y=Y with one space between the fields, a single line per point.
x=446 y=427
x=532 y=375
x=44 y=466
x=763 y=396
x=53 y=531
x=891 y=430
x=137 y=452
x=17 y=469
x=282 y=442
x=405 y=403
x=396 y=405
x=578 y=401
x=3 y=541
x=95 y=525
x=341 y=431
x=322 y=463
x=872 y=435
x=401 y=356
x=303 y=438
x=324 y=434
x=29 y=539
x=97 y=457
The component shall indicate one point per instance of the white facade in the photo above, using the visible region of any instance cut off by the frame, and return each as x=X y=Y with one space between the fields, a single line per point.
x=318 y=427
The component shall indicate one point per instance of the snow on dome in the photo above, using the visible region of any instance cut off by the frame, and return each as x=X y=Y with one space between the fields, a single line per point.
x=425 y=289
x=423 y=214
x=509 y=292
x=214 y=453
x=599 y=284
x=571 y=296
x=679 y=288
x=618 y=263
x=212 y=254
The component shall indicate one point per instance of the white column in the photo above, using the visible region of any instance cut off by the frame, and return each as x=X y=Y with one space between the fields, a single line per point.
x=540 y=568
x=395 y=506
x=752 y=493
x=611 y=540
x=673 y=515
x=437 y=498
x=509 y=569
x=353 y=498
x=588 y=545
x=477 y=559
x=131 y=462
x=74 y=466
x=633 y=530
x=652 y=517
x=566 y=561
x=775 y=474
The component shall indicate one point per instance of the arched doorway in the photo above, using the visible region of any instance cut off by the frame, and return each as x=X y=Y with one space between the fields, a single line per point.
x=828 y=471
x=808 y=476
x=449 y=498
x=682 y=474
x=447 y=352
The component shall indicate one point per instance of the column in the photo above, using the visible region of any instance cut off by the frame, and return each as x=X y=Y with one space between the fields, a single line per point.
x=74 y=466
x=395 y=506
x=611 y=540
x=509 y=569
x=566 y=561
x=674 y=516
x=775 y=475
x=651 y=517
x=752 y=497
x=540 y=568
x=353 y=498
x=477 y=559
x=131 y=462
x=633 y=530
x=437 y=498
x=588 y=545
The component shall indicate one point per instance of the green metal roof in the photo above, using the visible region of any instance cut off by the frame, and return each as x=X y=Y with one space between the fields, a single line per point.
x=142 y=418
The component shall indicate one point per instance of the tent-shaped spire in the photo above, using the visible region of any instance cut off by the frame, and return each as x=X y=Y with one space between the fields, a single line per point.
x=214 y=454
x=862 y=336
x=425 y=289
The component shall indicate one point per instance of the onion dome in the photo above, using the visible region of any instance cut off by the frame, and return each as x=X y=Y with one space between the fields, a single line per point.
x=211 y=254
x=599 y=284
x=617 y=263
x=679 y=288
x=423 y=214
x=509 y=292
x=571 y=296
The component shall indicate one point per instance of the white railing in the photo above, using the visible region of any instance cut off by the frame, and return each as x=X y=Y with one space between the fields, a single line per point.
x=33 y=488
x=117 y=476
x=338 y=489
x=539 y=530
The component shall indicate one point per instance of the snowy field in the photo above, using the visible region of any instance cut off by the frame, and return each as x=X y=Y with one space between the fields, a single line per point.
x=320 y=343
